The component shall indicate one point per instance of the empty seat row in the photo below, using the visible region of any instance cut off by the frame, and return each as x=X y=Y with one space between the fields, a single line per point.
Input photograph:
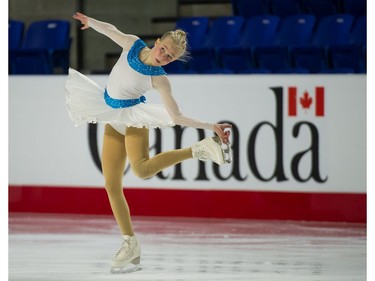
x=261 y=44
x=43 y=48
x=297 y=30
x=282 y=8
x=274 y=60
x=240 y=44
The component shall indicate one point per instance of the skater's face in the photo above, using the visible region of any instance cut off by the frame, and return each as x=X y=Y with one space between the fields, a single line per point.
x=164 y=52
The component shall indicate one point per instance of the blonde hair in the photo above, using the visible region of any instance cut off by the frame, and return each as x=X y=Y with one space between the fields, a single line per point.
x=179 y=41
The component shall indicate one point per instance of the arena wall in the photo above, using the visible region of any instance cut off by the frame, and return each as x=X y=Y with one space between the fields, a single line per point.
x=299 y=150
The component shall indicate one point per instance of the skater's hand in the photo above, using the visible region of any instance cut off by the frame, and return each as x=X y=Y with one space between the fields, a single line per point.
x=83 y=19
x=221 y=132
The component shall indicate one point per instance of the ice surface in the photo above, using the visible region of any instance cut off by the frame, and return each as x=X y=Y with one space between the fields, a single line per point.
x=71 y=247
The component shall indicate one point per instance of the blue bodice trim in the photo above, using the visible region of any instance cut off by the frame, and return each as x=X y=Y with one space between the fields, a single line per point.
x=138 y=65
x=115 y=103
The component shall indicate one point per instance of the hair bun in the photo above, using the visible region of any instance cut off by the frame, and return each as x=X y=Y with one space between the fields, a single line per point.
x=179 y=33
x=179 y=39
x=180 y=36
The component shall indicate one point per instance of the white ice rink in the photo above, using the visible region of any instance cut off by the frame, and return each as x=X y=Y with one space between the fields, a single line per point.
x=76 y=247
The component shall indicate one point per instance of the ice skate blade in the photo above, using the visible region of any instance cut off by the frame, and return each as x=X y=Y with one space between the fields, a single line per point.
x=126 y=269
x=133 y=266
x=225 y=149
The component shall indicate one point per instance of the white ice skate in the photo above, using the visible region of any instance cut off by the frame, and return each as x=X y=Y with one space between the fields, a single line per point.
x=212 y=149
x=129 y=253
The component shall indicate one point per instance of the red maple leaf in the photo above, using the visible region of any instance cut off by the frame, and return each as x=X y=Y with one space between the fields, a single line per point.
x=306 y=100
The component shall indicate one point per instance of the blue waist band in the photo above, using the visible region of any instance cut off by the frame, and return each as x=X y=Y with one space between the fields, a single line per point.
x=115 y=103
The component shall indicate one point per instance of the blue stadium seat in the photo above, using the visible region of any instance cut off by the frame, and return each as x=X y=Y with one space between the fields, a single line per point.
x=333 y=30
x=354 y=7
x=295 y=30
x=15 y=33
x=357 y=35
x=224 y=32
x=259 y=31
x=196 y=29
x=358 y=39
x=285 y=8
x=273 y=58
x=30 y=61
x=48 y=38
x=347 y=57
x=53 y=34
x=15 y=37
x=250 y=8
x=311 y=58
x=235 y=59
x=202 y=60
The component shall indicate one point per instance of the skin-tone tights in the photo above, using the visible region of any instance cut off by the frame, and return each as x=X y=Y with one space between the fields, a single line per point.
x=134 y=146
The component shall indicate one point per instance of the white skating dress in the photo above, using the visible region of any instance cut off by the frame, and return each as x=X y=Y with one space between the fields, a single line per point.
x=128 y=81
x=122 y=103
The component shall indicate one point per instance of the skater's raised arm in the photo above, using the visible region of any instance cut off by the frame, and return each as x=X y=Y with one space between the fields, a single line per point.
x=162 y=85
x=109 y=30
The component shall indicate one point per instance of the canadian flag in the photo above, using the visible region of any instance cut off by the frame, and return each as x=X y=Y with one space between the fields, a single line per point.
x=306 y=101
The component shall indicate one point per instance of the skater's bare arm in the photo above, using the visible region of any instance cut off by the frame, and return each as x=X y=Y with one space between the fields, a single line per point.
x=120 y=38
x=162 y=85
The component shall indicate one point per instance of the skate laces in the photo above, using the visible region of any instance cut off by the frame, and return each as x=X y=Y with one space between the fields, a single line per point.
x=203 y=154
x=125 y=249
x=205 y=149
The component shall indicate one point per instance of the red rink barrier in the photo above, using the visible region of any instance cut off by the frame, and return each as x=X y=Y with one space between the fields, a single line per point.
x=338 y=207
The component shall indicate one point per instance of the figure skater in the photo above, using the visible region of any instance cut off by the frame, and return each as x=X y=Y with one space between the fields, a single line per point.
x=122 y=107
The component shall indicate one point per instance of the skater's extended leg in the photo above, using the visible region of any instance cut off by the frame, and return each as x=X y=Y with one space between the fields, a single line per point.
x=137 y=147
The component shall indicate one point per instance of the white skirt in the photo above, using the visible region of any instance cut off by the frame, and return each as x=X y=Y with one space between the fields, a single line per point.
x=86 y=104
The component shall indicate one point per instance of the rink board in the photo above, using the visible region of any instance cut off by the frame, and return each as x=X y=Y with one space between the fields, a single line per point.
x=299 y=147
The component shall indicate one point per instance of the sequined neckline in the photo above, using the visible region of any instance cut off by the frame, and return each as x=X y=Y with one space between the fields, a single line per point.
x=138 y=65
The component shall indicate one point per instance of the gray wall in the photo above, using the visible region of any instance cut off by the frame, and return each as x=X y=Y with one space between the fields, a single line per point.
x=129 y=16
